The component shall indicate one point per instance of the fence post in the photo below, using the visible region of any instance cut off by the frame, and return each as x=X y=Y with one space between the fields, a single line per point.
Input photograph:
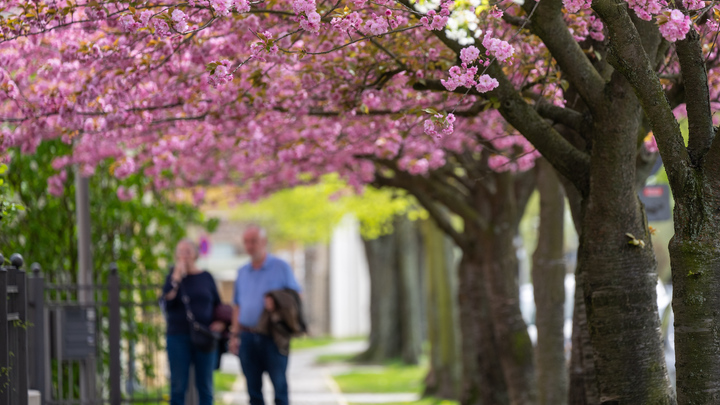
x=21 y=357
x=36 y=294
x=114 y=332
x=4 y=338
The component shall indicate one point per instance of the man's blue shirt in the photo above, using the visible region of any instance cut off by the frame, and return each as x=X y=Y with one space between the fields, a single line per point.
x=252 y=284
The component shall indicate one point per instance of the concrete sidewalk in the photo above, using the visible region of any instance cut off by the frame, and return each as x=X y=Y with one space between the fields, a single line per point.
x=310 y=383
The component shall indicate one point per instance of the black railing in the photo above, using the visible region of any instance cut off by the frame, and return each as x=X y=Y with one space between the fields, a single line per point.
x=91 y=339
x=13 y=332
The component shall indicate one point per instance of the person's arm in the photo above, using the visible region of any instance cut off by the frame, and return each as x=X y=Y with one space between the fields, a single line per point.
x=234 y=344
x=172 y=283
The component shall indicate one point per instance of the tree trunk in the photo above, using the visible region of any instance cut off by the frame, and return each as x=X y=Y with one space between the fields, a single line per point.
x=501 y=284
x=619 y=278
x=483 y=382
x=695 y=260
x=444 y=377
x=395 y=306
x=583 y=384
x=410 y=321
x=384 y=309
x=548 y=273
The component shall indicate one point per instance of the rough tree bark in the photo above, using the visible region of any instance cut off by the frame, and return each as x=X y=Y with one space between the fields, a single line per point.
x=395 y=308
x=445 y=374
x=501 y=284
x=548 y=272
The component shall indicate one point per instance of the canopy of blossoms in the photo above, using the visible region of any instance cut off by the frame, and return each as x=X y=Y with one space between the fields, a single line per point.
x=275 y=93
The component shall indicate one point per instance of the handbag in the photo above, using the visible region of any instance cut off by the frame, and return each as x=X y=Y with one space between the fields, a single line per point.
x=201 y=337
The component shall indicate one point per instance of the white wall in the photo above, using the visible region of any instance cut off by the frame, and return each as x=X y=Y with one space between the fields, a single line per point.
x=349 y=281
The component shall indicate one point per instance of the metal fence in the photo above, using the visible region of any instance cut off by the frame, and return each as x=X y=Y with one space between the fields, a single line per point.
x=96 y=344
x=13 y=333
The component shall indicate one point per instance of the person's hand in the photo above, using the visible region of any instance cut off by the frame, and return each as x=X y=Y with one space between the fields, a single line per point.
x=180 y=271
x=234 y=345
x=217 y=326
x=269 y=303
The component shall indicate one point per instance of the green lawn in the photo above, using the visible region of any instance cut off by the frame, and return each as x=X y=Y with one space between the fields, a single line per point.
x=424 y=401
x=313 y=342
x=224 y=381
x=221 y=382
x=391 y=378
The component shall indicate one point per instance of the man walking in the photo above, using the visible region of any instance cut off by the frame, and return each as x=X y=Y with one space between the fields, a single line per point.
x=258 y=352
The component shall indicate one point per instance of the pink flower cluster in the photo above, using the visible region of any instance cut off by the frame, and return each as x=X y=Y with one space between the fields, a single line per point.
x=694 y=4
x=125 y=194
x=352 y=21
x=125 y=168
x=469 y=55
x=460 y=76
x=222 y=7
x=646 y=8
x=307 y=12
x=180 y=20
x=437 y=21
x=56 y=183
x=377 y=25
x=498 y=48
x=573 y=6
x=440 y=122
x=222 y=74
x=674 y=25
x=651 y=144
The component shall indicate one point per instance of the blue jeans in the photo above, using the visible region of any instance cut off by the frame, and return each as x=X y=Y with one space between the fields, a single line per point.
x=258 y=354
x=181 y=354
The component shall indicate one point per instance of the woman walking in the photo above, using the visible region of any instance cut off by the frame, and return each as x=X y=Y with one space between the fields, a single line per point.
x=191 y=297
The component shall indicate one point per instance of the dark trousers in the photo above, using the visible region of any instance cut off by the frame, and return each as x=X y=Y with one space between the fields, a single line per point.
x=259 y=354
x=181 y=354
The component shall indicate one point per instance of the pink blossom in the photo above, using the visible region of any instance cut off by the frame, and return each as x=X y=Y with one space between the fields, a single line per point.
x=378 y=25
x=161 y=27
x=495 y=12
x=498 y=48
x=486 y=83
x=500 y=163
x=180 y=20
x=222 y=7
x=596 y=28
x=56 y=184
x=433 y=54
x=125 y=168
x=128 y=23
x=222 y=74
x=645 y=9
x=241 y=6
x=694 y=4
x=145 y=17
x=573 y=6
x=676 y=26
x=469 y=54
x=125 y=194
x=650 y=143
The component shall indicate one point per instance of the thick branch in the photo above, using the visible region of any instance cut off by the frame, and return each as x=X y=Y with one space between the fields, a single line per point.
x=566 y=116
x=440 y=218
x=566 y=159
x=628 y=56
x=549 y=25
x=694 y=74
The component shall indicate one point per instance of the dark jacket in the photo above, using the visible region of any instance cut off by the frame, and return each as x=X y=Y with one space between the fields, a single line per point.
x=286 y=321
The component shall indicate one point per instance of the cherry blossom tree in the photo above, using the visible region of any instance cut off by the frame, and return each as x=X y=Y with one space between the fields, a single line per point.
x=272 y=94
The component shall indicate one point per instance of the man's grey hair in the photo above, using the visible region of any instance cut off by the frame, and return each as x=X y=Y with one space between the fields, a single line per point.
x=260 y=230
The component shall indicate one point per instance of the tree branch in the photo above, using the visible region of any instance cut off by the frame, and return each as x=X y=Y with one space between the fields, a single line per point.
x=628 y=57
x=566 y=116
x=694 y=75
x=549 y=25
x=430 y=206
